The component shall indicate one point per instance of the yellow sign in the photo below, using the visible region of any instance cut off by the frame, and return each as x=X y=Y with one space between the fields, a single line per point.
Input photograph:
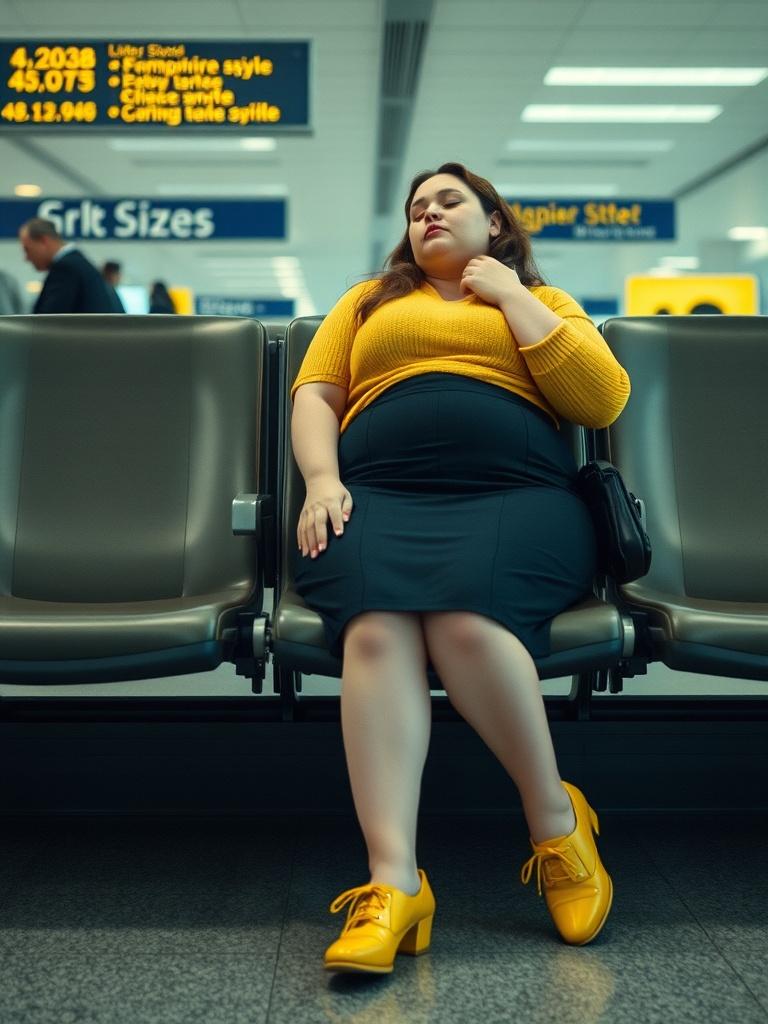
x=680 y=296
x=183 y=299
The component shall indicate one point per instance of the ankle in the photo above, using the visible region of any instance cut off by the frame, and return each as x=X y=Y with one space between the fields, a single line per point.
x=406 y=879
x=553 y=824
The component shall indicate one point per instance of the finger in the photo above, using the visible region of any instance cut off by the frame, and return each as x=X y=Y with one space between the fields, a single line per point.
x=336 y=518
x=346 y=507
x=321 y=531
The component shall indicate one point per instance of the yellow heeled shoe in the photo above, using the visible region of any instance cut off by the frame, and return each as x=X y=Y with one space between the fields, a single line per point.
x=381 y=922
x=578 y=889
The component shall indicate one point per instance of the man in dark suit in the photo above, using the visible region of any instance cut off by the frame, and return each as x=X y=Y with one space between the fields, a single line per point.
x=73 y=285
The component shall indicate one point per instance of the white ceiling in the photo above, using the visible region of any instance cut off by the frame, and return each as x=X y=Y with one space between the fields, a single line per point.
x=485 y=60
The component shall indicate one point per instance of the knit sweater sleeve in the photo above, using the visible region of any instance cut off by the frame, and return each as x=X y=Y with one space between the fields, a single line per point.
x=327 y=358
x=574 y=368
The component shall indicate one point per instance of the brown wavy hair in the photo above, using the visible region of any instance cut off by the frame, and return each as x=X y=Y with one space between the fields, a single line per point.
x=512 y=246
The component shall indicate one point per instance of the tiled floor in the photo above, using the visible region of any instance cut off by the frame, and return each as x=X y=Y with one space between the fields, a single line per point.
x=223 y=922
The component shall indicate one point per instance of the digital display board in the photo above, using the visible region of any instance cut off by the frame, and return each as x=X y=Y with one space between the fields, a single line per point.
x=154 y=86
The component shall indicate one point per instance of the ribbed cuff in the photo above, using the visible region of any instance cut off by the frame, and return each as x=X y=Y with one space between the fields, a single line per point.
x=553 y=350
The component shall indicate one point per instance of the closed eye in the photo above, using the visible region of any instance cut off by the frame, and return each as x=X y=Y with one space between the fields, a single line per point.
x=417 y=217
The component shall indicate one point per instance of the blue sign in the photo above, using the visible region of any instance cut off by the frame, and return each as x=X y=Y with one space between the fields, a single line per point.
x=597 y=220
x=215 y=305
x=600 y=307
x=148 y=220
x=149 y=85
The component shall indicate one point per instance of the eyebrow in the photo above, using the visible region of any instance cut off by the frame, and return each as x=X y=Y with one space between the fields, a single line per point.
x=440 y=194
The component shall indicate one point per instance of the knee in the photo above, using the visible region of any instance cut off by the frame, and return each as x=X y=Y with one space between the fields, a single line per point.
x=374 y=635
x=462 y=633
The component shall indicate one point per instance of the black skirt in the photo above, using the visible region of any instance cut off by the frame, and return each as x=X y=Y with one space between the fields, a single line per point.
x=463 y=500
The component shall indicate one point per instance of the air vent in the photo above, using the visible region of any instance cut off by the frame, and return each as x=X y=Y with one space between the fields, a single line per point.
x=387 y=175
x=401 y=60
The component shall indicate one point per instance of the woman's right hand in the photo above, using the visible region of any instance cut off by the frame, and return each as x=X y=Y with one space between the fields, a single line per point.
x=327 y=497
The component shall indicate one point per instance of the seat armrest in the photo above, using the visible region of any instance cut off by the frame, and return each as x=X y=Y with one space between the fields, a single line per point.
x=255 y=514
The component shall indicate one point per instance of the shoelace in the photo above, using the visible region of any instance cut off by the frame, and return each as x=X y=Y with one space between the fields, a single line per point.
x=573 y=867
x=365 y=900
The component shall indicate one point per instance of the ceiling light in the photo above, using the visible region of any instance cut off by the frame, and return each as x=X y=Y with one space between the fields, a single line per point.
x=556 y=189
x=27 y=190
x=33 y=287
x=748 y=234
x=590 y=145
x=681 y=262
x=259 y=145
x=220 y=188
x=189 y=145
x=617 y=113
x=655 y=76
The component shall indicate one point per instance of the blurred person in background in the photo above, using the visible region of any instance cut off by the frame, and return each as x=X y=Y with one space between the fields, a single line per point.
x=11 y=302
x=73 y=284
x=112 y=272
x=160 y=300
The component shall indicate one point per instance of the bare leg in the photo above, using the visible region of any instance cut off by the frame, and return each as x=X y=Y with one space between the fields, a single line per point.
x=386 y=716
x=491 y=680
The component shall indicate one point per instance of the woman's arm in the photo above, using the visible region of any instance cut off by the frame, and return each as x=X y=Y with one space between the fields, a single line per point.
x=317 y=411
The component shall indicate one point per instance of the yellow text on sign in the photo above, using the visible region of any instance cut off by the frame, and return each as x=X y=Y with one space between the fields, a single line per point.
x=734 y=294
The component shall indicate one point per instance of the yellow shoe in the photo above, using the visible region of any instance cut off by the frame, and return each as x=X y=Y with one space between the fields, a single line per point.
x=381 y=922
x=579 y=891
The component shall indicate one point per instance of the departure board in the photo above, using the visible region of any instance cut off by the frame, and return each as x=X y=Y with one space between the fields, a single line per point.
x=154 y=86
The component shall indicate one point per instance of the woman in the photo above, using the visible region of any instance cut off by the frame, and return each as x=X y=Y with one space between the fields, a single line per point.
x=425 y=425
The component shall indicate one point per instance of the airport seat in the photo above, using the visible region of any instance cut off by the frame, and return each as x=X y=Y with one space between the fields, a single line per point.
x=693 y=442
x=590 y=637
x=123 y=442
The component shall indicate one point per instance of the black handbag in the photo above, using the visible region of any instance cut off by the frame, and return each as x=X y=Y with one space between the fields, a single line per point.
x=623 y=546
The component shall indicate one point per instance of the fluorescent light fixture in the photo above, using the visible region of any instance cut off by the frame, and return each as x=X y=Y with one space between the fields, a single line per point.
x=655 y=76
x=621 y=113
x=258 y=145
x=554 y=190
x=748 y=234
x=681 y=262
x=187 y=145
x=590 y=145
x=30 y=191
x=220 y=188
x=664 y=272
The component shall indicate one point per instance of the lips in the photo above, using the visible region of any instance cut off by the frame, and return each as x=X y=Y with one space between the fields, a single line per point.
x=431 y=231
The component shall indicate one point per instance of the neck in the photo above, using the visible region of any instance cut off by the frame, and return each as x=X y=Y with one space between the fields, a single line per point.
x=448 y=288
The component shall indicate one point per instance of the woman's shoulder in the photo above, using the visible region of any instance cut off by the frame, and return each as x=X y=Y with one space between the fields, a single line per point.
x=553 y=296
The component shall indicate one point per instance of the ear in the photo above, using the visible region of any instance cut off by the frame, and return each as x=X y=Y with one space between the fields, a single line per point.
x=494 y=228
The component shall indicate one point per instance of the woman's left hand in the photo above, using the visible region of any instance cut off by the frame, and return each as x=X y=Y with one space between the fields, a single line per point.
x=490 y=280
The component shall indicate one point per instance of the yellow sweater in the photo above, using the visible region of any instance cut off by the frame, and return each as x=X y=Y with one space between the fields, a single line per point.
x=570 y=372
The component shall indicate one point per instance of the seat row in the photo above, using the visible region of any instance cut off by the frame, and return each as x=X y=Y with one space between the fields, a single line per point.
x=149 y=496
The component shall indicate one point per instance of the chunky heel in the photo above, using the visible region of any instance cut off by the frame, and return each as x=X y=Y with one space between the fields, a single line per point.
x=417 y=939
x=381 y=922
x=593 y=819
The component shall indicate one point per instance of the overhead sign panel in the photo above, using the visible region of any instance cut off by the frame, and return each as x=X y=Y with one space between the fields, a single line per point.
x=154 y=86
x=596 y=220
x=148 y=220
